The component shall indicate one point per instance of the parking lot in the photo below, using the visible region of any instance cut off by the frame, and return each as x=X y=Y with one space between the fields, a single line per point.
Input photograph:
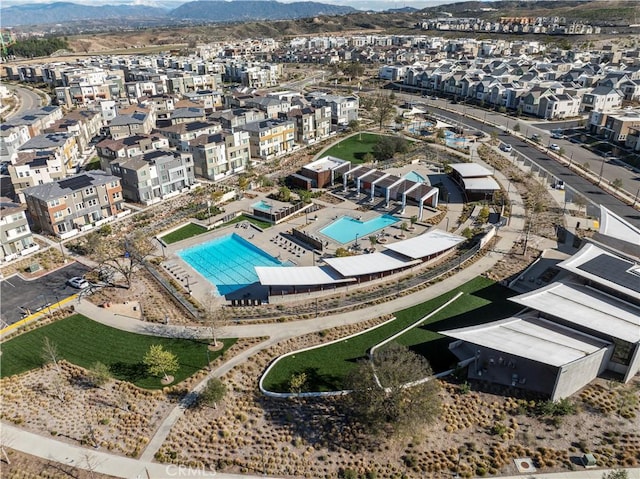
x=21 y=297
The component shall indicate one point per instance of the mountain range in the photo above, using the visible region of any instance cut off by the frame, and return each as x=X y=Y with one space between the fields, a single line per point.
x=205 y=11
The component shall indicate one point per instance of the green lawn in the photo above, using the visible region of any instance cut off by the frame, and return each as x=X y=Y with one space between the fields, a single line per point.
x=82 y=341
x=354 y=148
x=327 y=366
x=93 y=164
x=187 y=231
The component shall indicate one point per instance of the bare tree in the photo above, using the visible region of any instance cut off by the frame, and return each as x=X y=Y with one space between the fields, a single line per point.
x=215 y=316
x=50 y=353
x=126 y=255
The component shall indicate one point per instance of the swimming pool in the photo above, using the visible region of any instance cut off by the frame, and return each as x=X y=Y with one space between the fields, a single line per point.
x=262 y=206
x=347 y=229
x=454 y=141
x=414 y=176
x=227 y=262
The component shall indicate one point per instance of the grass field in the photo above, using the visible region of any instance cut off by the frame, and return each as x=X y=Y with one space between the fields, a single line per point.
x=82 y=341
x=354 y=148
x=327 y=366
x=187 y=231
x=257 y=222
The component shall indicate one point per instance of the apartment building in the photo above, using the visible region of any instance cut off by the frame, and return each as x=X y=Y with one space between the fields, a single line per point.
x=154 y=175
x=35 y=168
x=136 y=123
x=130 y=146
x=311 y=124
x=62 y=145
x=221 y=154
x=37 y=119
x=270 y=138
x=343 y=108
x=15 y=235
x=77 y=203
x=12 y=137
x=83 y=124
x=180 y=134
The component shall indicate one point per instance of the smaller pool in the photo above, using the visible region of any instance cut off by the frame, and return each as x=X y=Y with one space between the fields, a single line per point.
x=451 y=139
x=262 y=206
x=347 y=229
x=415 y=177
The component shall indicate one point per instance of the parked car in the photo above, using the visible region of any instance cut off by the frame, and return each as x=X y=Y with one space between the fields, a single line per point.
x=78 y=282
x=506 y=147
x=559 y=185
x=554 y=147
x=535 y=137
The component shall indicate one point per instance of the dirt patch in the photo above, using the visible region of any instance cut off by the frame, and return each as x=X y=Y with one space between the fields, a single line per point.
x=26 y=466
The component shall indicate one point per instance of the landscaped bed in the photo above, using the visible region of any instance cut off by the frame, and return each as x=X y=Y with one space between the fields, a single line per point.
x=327 y=366
x=82 y=341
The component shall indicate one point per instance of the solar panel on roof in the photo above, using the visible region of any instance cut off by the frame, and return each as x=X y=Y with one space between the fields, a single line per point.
x=75 y=183
x=612 y=269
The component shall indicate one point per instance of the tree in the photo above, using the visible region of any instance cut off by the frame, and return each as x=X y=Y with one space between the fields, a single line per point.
x=160 y=362
x=368 y=158
x=215 y=316
x=98 y=374
x=414 y=220
x=373 y=240
x=516 y=127
x=213 y=392
x=297 y=382
x=382 y=108
x=50 y=353
x=124 y=255
x=483 y=216
x=393 y=392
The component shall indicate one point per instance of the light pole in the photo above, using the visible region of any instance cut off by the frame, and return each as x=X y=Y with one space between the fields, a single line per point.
x=601 y=171
x=64 y=259
x=635 y=200
x=356 y=245
x=447 y=227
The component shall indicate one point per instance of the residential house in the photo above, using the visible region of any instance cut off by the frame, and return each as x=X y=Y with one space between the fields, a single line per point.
x=67 y=206
x=36 y=120
x=210 y=100
x=63 y=145
x=558 y=106
x=269 y=138
x=221 y=154
x=136 y=123
x=109 y=150
x=35 y=168
x=180 y=134
x=344 y=109
x=15 y=235
x=12 y=137
x=311 y=123
x=603 y=99
x=271 y=106
x=83 y=123
x=154 y=175
x=234 y=118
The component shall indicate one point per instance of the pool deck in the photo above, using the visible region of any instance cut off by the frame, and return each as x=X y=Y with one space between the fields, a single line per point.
x=278 y=241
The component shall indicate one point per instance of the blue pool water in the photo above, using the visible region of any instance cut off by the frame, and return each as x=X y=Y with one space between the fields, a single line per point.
x=227 y=262
x=346 y=228
x=454 y=142
x=262 y=206
x=414 y=176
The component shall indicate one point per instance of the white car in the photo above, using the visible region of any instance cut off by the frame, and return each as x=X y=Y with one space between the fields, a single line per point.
x=506 y=147
x=554 y=147
x=78 y=282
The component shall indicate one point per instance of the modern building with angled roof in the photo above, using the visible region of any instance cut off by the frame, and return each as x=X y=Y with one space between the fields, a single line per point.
x=586 y=323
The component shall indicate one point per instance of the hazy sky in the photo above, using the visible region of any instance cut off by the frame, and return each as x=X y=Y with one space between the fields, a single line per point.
x=359 y=4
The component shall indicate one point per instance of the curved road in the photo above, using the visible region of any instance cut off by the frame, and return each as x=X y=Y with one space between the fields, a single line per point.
x=28 y=99
x=587 y=189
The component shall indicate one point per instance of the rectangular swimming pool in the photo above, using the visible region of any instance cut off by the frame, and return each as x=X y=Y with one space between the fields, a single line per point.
x=346 y=228
x=227 y=262
x=262 y=205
